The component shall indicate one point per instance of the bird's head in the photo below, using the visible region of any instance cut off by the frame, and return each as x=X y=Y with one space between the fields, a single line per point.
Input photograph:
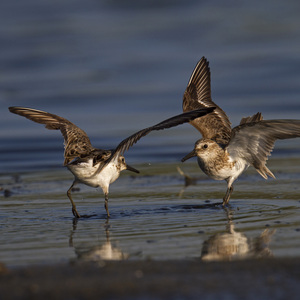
x=124 y=166
x=204 y=148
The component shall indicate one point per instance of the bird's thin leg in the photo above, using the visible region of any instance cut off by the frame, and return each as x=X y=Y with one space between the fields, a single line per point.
x=227 y=195
x=106 y=205
x=74 y=210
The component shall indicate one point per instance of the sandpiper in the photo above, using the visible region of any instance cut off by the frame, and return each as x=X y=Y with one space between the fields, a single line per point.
x=91 y=166
x=224 y=153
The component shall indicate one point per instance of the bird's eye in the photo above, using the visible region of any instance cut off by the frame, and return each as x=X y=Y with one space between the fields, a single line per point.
x=205 y=146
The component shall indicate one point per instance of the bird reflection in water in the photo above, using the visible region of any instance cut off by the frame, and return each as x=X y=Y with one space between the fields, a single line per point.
x=231 y=245
x=188 y=180
x=99 y=253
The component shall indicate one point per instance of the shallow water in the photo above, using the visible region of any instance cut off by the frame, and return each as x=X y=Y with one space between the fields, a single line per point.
x=113 y=68
x=153 y=216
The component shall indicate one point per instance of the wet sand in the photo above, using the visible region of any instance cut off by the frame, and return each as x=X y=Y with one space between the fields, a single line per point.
x=185 y=279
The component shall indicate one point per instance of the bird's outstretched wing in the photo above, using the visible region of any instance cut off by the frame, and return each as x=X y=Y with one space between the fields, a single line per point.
x=77 y=143
x=171 y=122
x=215 y=126
x=254 y=141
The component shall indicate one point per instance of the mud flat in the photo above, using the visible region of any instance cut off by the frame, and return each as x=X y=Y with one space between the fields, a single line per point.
x=249 y=279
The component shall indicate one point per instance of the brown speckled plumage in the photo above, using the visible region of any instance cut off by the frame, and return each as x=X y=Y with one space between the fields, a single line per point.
x=224 y=153
x=197 y=95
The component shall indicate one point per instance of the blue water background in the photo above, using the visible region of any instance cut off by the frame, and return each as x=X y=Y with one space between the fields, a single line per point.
x=115 y=67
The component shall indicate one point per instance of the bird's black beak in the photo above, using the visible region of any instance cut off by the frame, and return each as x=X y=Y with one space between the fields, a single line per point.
x=190 y=155
x=132 y=169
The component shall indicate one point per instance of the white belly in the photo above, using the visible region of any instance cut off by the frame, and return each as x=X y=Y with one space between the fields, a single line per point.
x=231 y=170
x=87 y=174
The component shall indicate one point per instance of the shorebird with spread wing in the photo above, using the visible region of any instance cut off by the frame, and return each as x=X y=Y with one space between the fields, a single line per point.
x=224 y=153
x=91 y=166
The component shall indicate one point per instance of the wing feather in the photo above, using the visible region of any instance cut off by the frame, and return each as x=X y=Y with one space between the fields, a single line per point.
x=215 y=126
x=171 y=122
x=77 y=143
x=255 y=118
x=255 y=141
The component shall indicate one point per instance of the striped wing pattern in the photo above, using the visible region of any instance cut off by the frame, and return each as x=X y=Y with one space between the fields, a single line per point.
x=215 y=126
x=77 y=143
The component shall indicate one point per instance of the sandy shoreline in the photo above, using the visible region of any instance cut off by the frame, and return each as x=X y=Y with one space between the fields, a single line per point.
x=249 y=279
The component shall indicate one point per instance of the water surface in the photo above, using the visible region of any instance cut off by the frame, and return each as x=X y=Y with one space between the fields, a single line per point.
x=113 y=68
x=153 y=216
